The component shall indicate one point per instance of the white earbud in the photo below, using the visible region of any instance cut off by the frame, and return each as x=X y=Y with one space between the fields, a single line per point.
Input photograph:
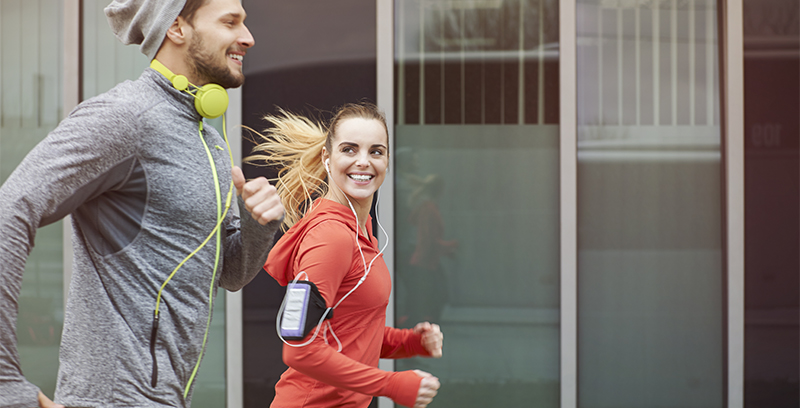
x=328 y=165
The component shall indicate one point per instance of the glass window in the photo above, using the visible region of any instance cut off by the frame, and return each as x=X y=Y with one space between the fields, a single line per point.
x=772 y=199
x=650 y=269
x=30 y=107
x=477 y=208
x=107 y=62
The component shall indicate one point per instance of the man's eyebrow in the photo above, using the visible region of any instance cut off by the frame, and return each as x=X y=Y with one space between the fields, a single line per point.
x=232 y=14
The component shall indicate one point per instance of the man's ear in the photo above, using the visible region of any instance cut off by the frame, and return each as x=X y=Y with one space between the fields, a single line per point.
x=178 y=31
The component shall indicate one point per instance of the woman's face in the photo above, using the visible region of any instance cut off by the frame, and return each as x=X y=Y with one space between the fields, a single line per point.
x=359 y=158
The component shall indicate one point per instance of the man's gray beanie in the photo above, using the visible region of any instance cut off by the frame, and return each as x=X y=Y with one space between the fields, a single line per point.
x=143 y=22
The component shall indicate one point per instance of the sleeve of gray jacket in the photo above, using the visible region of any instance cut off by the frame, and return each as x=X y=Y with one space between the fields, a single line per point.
x=50 y=183
x=246 y=248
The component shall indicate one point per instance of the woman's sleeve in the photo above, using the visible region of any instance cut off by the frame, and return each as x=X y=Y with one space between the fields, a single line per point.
x=326 y=255
x=321 y=362
x=402 y=343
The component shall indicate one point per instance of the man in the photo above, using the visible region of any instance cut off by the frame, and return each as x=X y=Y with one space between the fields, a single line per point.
x=146 y=184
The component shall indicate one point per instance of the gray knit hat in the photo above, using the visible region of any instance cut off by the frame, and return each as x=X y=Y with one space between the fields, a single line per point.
x=143 y=22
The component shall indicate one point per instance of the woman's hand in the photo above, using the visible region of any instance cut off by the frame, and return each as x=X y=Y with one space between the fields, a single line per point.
x=432 y=338
x=428 y=388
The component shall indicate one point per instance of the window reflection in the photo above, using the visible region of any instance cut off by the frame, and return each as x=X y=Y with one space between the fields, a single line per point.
x=477 y=212
x=650 y=273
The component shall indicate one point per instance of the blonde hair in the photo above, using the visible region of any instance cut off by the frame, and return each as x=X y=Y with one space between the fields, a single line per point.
x=294 y=144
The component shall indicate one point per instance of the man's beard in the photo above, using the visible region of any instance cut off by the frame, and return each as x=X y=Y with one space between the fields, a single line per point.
x=203 y=65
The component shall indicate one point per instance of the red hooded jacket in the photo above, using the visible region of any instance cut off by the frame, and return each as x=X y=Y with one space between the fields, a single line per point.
x=323 y=245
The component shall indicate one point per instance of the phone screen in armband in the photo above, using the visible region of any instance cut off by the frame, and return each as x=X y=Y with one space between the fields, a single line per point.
x=303 y=310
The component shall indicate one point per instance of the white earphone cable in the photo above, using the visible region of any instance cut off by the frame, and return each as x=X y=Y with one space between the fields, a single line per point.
x=367 y=269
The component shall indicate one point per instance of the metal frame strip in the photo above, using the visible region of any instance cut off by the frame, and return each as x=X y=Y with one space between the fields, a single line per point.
x=568 y=202
x=385 y=100
x=733 y=105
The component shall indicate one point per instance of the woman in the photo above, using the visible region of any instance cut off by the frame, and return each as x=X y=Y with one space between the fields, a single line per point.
x=331 y=244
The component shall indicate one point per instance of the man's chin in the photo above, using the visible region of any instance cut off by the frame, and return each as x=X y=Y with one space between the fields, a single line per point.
x=233 y=85
x=234 y=80
x=239 y=81
x=229 y=82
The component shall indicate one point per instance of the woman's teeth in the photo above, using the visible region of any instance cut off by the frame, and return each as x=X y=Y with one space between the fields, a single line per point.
x=360 y=177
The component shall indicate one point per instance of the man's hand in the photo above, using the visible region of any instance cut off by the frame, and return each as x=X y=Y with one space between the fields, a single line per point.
x=428 y=388
x=45 y=402
x=260 y=198
x=432 y=338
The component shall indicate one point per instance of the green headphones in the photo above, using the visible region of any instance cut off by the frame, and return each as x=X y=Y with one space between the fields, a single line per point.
x=211 y=100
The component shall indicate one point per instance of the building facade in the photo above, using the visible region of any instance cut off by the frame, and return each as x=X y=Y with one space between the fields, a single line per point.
x=597 y=200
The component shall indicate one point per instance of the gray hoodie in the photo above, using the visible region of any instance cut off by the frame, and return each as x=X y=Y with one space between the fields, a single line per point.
x=130 y=167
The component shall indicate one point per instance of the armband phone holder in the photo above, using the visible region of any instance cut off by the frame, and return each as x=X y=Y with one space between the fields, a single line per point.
x=303 y=310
